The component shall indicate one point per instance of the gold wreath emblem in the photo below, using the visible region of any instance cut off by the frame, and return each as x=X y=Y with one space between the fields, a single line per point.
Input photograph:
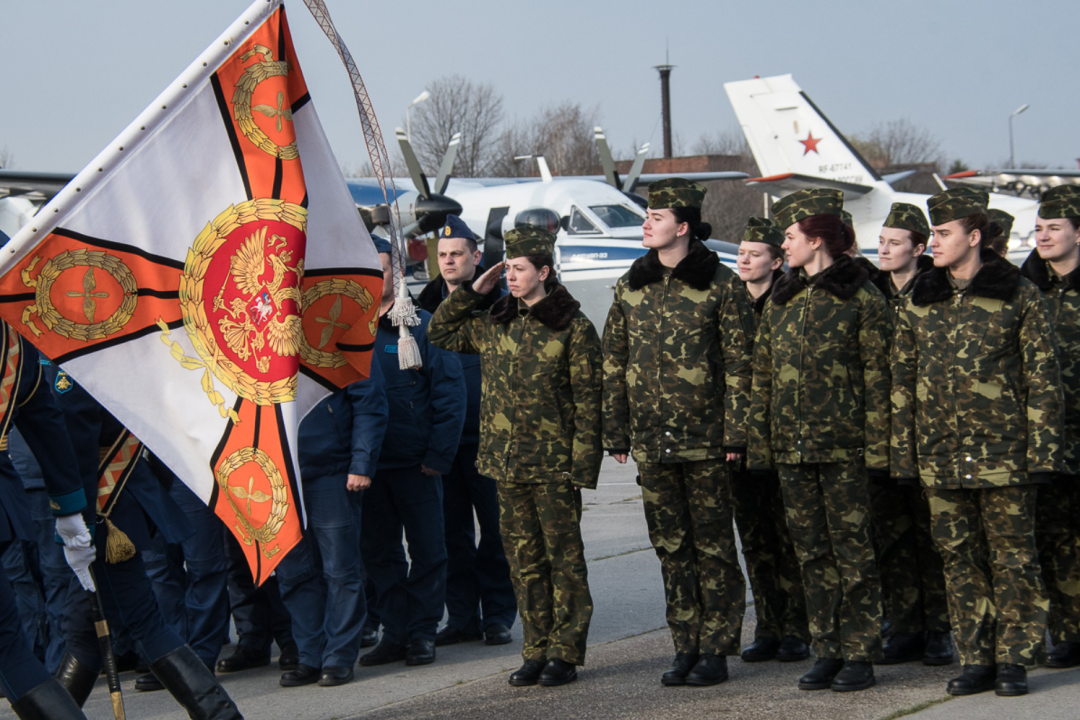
x=91 y=260
x=242 y=109
x=278 y=497
x=283 y=336
x=340 y=287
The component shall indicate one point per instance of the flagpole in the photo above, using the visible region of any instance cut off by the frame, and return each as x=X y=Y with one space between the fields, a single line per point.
x=107 y=657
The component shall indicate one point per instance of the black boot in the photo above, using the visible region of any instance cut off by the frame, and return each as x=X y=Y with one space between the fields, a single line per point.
x=192 y=684
x=855 y=675
x=939 y=648
x=711 y=669
x=76 y=678
x=792 y=649
x=821 y=675
x=680 y=668
x=527 y=674
x=975 y=679
x=47 y=701
x=244 y=658
x=902 y=647
x=1011 y=680
x=1064 y=655
x=558 y=672
x=761 y=650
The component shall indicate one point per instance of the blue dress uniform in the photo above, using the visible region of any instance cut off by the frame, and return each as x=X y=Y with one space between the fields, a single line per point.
x=427 y=410
x=125 y=590
x=32 y=692
x=321 y=579
x=479 y=594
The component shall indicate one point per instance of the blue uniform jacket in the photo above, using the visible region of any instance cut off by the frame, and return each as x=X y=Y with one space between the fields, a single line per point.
x=39 y=419
x=427 y=406
x=91 y=427
x=344 y=432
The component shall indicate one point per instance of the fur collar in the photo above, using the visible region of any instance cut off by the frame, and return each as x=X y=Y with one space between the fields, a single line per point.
x=432 y=295
x=697 y=269
x=884 y=280
x=842 y=279
x=759 y=303
x=997 y=279
x=1037 y=271
x=556 y=310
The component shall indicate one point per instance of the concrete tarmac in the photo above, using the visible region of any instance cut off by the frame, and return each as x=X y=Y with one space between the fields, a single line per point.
x=629 y=648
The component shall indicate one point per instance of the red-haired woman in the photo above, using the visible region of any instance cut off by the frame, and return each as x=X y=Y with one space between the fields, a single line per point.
x=820 y=415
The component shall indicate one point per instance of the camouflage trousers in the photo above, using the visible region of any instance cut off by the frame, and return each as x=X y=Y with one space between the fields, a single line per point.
x=909 y=563
x=828 y=516
x=688 y=512
x=1057 y=532
x=997 y=600
x=771 y=565
x=541 y=531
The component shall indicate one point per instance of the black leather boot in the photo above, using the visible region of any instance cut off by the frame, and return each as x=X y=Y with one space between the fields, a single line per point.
x=1064 y=655
x=76 y=678
x=558 y=672
x=47 y=701
x=761 y=650
x=902 y=647
x=821 y=675
x=939 y=648
x=975 y=679
x=680 y=668
x=1011 y=680
x=192 y=684
x=855 y=675
x=528 y=674
x=711 y=669
x=792 y=649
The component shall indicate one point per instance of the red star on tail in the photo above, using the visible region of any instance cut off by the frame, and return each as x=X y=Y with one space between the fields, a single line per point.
x=810 y=143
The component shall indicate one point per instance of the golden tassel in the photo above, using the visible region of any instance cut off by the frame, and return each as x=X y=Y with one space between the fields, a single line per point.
x=118 y=546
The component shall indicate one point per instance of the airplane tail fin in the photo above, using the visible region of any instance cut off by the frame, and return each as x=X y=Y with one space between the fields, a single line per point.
x=788 y=134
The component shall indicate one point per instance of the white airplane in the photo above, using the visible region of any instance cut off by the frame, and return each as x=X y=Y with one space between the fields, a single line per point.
x=1024 y=181
x=596 y=219
x=796 y=147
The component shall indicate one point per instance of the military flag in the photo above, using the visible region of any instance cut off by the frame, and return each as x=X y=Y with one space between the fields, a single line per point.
x=208 y=279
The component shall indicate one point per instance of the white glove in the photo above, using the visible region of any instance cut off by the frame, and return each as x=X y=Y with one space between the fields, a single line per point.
x=78 y=549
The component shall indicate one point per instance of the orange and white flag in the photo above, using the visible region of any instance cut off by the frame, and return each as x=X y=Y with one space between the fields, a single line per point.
x=208 y=279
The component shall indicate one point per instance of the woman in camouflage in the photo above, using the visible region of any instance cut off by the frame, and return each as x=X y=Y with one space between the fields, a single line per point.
x=539 y=440
x=820 y=413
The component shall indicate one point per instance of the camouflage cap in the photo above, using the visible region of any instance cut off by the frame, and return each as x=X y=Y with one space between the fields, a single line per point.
x=846 y=217
x=956 y=203
x=905 y=216
x=763 y=230
x=675 y=193
x=1003 y=219
x=528 y=240
x=1062 y=201
x=801 y=204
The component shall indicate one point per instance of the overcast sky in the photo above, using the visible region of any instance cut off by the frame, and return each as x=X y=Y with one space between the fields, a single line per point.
x=76 y=73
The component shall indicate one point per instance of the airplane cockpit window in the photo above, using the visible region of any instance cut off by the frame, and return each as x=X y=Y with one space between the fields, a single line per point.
x=581 y=225
x=617 y=216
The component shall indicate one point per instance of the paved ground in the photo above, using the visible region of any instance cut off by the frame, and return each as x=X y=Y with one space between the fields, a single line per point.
x=629 y=649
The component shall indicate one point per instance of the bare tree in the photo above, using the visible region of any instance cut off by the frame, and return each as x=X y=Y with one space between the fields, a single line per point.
x=458 y=105
x=7 y=157
x=726 y=142
x=899 y=142
x=563 y=134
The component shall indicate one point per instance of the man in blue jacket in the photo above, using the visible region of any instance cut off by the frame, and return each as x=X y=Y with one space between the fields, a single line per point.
x=479 y=596
x=427 y=410
x=321 y=579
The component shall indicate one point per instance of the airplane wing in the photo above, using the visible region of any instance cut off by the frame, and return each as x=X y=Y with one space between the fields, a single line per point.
x=653 y=177
x=16 y=182
x=1019 y=181
x=790 y=182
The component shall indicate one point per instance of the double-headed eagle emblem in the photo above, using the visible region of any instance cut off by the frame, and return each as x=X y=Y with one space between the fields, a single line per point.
x=256 y=317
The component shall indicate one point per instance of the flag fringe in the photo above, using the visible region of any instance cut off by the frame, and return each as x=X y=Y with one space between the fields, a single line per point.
x=118 y=546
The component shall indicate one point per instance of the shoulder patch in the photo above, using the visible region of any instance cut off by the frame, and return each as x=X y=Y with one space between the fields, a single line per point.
x=63 y=382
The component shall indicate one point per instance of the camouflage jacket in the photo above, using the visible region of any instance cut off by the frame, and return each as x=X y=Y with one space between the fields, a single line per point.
x=821 y=371
x=1062 y=296
x=976 y=398
x=540 y=403
x=897 y=298
x=677 y=347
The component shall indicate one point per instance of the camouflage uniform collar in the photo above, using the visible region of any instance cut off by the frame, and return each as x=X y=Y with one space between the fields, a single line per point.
x=842 y=279
x=758 y=303
x=556 y=310
x=435 y=292
x=1039 y=272
x=997 y=279
x=884 y=282
x=697 y=269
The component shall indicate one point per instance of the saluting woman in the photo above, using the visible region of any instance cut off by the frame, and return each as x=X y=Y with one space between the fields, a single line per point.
x=539 y=440
x=820 y=414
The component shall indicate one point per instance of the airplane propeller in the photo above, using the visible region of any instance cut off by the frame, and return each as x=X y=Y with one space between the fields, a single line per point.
x=430 y=208
x=607 y=161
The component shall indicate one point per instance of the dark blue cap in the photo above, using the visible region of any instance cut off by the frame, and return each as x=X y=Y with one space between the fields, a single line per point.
x=382 y=245
x=455 y=227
